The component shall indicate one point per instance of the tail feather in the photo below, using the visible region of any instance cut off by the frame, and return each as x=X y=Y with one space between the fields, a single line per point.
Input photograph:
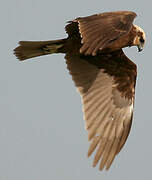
x=30 y=49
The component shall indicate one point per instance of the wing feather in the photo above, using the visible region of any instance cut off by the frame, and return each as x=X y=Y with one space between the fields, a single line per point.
x=100 y=150
x=112 y=153
x=107 y=111
x=93 y=145
x=99 y=30
x=105 y=154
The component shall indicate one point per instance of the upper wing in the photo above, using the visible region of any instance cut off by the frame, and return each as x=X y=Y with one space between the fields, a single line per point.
x=106 y=85
x=98 y=31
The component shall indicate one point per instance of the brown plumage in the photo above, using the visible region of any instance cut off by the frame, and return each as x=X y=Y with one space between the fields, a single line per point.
x=102 y=73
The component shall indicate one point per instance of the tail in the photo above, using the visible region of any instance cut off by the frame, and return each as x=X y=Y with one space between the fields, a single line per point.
x=30 y=49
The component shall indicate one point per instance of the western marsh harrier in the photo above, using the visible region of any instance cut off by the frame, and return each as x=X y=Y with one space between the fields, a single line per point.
x=102 y=73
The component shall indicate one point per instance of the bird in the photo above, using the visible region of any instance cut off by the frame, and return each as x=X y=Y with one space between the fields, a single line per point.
x=103 y=75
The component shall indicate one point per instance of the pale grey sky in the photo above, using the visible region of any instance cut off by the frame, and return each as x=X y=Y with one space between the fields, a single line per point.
x=42 y=132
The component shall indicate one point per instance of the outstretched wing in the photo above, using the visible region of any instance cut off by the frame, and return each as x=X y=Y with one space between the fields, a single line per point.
x=106 y=85
x=98 y=31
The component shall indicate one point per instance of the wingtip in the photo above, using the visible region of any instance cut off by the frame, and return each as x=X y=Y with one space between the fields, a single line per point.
x=95 y=162
x=89 y=154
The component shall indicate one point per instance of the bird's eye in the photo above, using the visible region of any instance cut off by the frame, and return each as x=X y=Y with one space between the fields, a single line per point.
x=142 y=40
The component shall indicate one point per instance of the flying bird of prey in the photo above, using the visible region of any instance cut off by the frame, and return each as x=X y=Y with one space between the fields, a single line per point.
x=102 y=73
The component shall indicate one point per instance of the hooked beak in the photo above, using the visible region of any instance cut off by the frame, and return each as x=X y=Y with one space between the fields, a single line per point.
x=140 y=47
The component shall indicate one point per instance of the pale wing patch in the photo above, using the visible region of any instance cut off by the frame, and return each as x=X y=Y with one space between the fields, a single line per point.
x=107 y=118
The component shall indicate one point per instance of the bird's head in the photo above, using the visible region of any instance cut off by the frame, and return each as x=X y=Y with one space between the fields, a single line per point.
x=140 y=37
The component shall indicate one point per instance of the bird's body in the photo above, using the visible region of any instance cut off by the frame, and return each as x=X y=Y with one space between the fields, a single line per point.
x=102 y=73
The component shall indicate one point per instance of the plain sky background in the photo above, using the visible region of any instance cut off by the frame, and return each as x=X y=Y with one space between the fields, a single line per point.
x=42 y=132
